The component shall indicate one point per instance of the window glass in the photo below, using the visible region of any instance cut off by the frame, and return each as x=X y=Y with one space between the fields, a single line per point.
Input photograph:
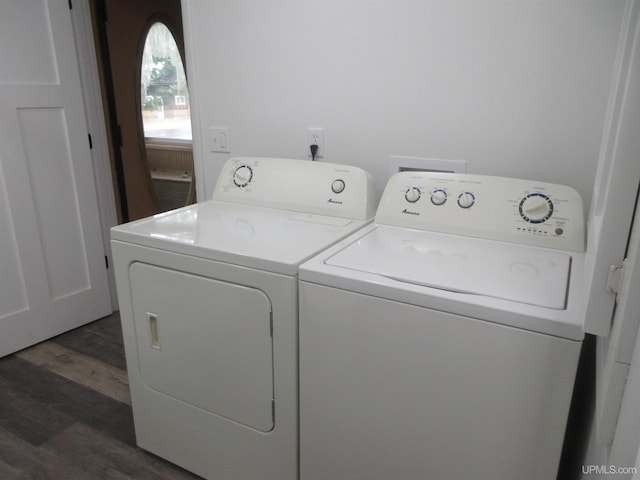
x=165 y=98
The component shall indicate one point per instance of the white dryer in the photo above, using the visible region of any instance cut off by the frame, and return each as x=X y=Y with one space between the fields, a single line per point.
x=209 y=308
x=442 y=341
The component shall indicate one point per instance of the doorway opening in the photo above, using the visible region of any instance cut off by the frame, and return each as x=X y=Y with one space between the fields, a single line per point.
x=141 y=43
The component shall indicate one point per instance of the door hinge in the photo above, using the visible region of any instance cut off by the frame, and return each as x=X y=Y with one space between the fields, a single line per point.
x=70 y=5
x=271 y=323
x=273 y=410
x=615 y=279
x=106 y=262
x=90 y=142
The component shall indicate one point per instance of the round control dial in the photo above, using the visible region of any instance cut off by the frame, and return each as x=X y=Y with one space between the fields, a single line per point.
x=412 y=195
x=438 y=196
x=466 y=199
x=242 y=176
x=536 y=208
x=338 y=186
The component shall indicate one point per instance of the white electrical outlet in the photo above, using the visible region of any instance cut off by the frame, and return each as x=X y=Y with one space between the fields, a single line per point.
x=315 y=136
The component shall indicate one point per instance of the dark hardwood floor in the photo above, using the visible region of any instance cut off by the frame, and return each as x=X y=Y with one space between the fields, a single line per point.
x=65 y=411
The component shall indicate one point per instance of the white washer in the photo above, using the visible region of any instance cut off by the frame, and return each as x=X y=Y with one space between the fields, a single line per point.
x=208 y=302
x=442 y=341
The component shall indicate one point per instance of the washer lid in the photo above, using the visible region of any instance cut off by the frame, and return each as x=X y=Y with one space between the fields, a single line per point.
x=461 y=264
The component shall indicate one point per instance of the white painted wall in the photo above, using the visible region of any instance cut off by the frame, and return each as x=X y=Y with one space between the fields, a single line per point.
x=515 y=88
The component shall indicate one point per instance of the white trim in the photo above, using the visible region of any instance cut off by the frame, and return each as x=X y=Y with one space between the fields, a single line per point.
x=626 y=351
x=88 y=64
x=191 y=58
x=617 y=178
x=614 y=437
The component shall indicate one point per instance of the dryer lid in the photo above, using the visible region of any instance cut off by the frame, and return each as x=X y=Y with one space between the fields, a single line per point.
x=264 y=238
x=461 y=264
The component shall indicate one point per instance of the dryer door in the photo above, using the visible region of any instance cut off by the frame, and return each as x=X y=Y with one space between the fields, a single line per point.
x=205 y=342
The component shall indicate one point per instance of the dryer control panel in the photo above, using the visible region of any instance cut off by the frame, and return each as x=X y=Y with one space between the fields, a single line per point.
x=497 y=208
x=298 y=185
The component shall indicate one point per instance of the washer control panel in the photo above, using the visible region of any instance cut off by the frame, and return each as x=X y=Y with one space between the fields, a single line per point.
x=298 y=185
x=497 y=208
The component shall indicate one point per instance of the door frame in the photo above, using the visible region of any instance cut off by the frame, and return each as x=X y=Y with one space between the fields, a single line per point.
x=610 y=219
x=616 y=179
x=625 y=442
x=94 y=111
x=106 y=184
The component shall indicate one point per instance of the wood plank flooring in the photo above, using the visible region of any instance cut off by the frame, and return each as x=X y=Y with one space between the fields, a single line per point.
x=65 y=411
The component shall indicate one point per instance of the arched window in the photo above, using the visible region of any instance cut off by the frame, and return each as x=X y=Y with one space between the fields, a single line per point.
x=166 y=119
x=164 y=93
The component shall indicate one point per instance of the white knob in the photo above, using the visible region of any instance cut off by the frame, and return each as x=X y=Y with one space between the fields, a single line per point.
x=338 y=186
x=412 y=195
x=536 y=208
x=466 y=199
x=242 y=176
x=438 y=196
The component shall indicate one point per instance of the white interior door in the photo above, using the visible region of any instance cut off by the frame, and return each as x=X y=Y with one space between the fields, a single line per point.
x=615 y=433
x=52 y=267
x=618 y=395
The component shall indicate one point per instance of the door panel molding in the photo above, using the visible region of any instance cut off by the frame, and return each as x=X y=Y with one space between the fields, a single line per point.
x=49 y=192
